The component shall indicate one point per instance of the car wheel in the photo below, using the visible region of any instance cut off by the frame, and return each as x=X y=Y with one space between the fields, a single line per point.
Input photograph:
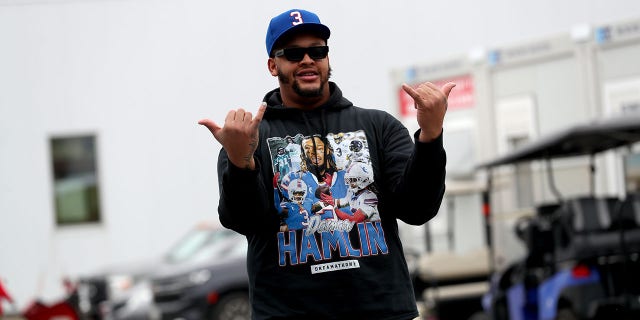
x=233 y=306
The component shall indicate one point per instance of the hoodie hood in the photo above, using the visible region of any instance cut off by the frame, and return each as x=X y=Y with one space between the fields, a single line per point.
x=314 y=120
x=275 y=106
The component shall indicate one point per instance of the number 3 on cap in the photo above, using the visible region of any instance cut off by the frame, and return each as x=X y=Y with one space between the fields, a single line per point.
x=297 y=18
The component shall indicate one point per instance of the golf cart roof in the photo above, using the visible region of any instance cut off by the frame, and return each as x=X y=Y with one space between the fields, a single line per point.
x=583 y=139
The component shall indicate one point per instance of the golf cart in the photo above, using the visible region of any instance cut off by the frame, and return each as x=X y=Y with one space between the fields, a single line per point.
x=581 y=256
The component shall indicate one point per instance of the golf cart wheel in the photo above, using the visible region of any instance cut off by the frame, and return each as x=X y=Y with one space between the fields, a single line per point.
x=479 y=316
x=233 y=306
x=566 y=314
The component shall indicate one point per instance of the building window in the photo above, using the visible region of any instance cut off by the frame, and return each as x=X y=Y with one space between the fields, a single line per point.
x=75 y=179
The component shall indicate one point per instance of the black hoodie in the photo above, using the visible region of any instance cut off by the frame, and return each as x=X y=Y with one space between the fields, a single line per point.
x=325 y=244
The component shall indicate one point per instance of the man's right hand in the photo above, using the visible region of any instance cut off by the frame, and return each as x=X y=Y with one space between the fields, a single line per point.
x=239 y=136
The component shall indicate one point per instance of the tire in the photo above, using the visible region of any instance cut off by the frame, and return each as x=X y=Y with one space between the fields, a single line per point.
x=566 y=314
x=479 y=316
x=233 y=306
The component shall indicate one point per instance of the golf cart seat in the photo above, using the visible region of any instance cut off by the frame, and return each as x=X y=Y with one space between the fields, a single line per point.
x=586 y=228
x=537 y=236
x=628 y=221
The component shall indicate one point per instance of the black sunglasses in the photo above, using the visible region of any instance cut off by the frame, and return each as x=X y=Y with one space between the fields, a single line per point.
x=297 y=54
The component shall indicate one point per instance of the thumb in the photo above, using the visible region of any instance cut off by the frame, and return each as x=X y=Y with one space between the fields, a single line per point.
x=446 y=89
x=213 y=127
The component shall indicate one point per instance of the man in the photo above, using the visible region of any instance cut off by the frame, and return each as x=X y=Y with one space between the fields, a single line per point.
x=333 y=269
x=317 y=158
x=295 y=210
x=361 y=197
x=319 y=172
x=358 y=153
x=282 y=162
x=319 y=167
x=340 y=146
x=295 y=153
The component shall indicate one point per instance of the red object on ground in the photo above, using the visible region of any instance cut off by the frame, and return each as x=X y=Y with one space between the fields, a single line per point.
x=39 y=311
x=4 y=295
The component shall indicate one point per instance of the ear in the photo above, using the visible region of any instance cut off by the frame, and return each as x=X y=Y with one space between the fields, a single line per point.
x=273 y=68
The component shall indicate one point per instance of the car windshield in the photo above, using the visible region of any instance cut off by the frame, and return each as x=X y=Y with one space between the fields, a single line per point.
x=200 y=239
x=230 y=247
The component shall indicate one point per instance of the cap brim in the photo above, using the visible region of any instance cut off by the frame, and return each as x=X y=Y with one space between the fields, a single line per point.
x=313 y=28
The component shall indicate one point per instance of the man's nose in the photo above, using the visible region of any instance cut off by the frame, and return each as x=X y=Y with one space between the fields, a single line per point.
x=306 y=58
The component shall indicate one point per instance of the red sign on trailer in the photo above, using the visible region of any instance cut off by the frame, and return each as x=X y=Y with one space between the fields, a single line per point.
x=461 y=97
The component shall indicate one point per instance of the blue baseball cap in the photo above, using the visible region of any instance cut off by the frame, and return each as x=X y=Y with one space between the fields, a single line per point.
x=294 y=19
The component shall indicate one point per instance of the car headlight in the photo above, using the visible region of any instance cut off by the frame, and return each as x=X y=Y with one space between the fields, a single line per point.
x=119 y=285
x=140 y=296
x=200 y=276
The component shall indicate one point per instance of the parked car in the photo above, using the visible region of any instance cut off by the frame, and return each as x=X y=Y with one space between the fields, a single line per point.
x=123 y=292
x=103 y=291
x=212 y=286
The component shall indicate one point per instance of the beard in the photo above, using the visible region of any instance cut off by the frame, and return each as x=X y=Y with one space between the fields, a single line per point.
x=306 y=93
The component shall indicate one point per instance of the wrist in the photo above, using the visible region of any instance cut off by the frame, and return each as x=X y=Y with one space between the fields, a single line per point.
x=244 y=163
x=426 y=136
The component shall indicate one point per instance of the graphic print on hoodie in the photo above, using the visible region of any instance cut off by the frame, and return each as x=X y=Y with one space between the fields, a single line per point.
x=323 y=191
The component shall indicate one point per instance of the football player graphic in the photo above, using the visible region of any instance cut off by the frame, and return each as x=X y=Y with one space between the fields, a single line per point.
x=358 y=153
x=294 y=213
x=340 y=149
x=361 y=196
x=282 y=162
x=295 y=153
x=319 y=167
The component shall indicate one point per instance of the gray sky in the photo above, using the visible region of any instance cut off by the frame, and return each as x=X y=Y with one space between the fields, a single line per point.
x=216 y=49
